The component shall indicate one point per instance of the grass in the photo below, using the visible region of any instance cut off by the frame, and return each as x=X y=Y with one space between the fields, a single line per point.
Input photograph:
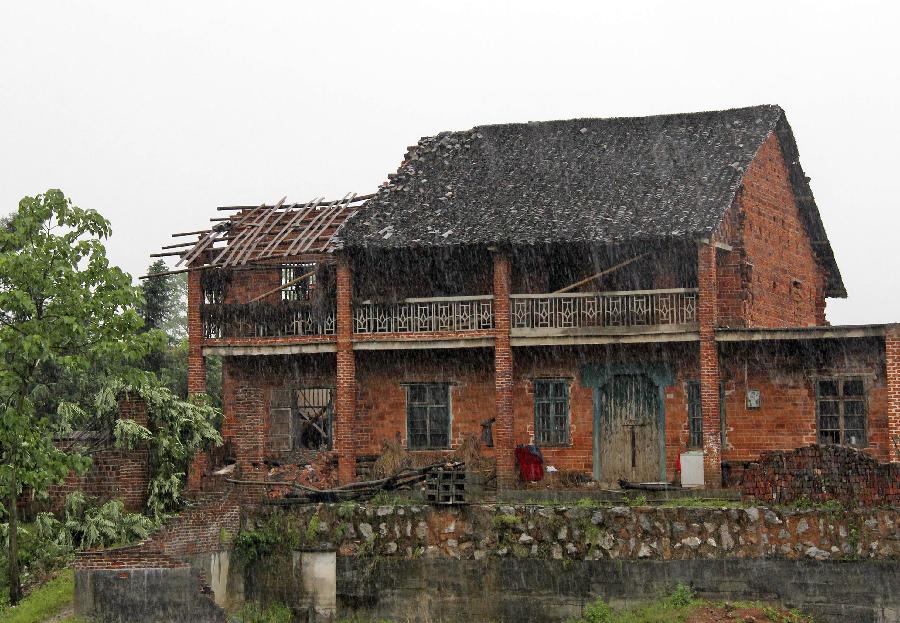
x=44 y=602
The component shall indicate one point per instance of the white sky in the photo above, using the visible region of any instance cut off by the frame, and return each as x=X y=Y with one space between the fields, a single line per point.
x=154 y=113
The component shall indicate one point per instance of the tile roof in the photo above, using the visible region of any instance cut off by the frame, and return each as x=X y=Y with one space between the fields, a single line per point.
x=581 y=180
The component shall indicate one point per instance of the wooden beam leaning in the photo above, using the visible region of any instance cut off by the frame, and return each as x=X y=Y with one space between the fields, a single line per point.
x=283 y=286
x=272 y=222
x=602 y=272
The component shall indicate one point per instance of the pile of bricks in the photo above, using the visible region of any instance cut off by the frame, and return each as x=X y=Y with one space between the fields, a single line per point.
x=319 y=472
x=822 y=473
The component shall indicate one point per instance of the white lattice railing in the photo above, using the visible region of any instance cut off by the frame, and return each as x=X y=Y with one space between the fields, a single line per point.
x=604 y=309
x=426 y=315
x=286 y=319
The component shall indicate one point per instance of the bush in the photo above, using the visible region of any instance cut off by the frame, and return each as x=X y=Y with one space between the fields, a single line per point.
x=682 y=597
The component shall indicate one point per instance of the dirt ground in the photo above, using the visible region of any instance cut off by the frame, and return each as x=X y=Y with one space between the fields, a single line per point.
x=729 y=613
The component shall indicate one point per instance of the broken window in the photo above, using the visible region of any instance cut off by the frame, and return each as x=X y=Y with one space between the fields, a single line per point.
x=695 y=415
x=297 y=281
x=428 y=415
x=551 y=412
x=301 y=418
x=841 y=411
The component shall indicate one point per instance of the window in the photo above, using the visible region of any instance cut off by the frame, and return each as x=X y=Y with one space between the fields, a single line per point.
x=841 y=411
x=301 y=419
x=428 y=415
x=551 y=412
x=695 y=415
x=299 y=289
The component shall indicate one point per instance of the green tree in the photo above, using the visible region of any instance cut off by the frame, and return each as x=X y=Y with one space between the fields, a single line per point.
x=62 y=308
x=165 y=309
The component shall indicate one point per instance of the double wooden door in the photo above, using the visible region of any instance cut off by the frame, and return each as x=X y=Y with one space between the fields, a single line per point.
x=627 y=431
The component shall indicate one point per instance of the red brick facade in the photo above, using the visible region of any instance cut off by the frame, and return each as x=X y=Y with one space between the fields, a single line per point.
x=770 y=277
x=758 y=270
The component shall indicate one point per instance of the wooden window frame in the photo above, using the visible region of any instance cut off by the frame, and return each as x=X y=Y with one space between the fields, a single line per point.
x=447 y=404
x=841 y=400
x=694 y=415
x=539 y=434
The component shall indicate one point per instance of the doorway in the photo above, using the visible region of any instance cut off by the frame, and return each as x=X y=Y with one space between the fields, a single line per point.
x=627 y=430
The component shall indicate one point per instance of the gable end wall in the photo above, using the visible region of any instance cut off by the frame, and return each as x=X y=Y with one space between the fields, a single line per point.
x=771 y=278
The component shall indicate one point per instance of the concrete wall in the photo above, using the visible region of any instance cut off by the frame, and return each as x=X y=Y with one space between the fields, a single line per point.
x=538 y=591
x=150 y=595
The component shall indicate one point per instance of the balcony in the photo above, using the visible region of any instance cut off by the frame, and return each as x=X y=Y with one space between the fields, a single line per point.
x=426 y=315
x=585 y=313
x=462 y=321
x=287 y=319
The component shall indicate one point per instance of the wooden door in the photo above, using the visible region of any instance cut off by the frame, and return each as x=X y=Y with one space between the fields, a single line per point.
x=627 y=436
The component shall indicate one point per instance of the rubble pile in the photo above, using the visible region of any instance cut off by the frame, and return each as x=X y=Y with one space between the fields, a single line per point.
x=821 y=473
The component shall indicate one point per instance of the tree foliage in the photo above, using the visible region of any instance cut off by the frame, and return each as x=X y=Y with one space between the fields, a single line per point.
x=71 y=339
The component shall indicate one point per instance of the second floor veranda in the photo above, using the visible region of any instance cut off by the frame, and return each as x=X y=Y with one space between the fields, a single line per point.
x=430 y=297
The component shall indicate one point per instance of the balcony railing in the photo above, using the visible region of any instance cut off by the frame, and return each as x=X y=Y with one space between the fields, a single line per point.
x=425 y=315
x=543 y=314
x=285 y=319
x=598 y=310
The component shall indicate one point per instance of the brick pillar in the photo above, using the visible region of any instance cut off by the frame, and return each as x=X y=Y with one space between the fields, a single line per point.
x=892 y=368
x=196 y=366
x=504 y=442
x=707 y=306
x=345 y=384
x=196 y=362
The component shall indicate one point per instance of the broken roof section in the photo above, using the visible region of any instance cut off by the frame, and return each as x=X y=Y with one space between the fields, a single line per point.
x=583 y=180
x=256 y=234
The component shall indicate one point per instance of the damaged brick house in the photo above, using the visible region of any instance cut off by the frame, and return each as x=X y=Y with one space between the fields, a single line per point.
x=621 y=292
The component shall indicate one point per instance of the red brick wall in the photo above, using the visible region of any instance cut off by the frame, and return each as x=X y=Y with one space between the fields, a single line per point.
x=114 y=474
x=785 y=373
x=205 y=528
x=381 y=406
x=381 y=409
x=771 y=278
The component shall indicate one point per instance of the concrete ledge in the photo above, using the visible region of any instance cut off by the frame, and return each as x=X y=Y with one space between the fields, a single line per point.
x=271 y=349
x=800 y=333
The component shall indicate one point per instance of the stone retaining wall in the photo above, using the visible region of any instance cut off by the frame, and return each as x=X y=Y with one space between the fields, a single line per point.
x=581 y=533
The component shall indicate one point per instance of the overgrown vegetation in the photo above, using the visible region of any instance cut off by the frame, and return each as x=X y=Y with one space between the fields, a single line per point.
x=71 y=341
x=48 y=543
x=47 y=601
x=253 y=612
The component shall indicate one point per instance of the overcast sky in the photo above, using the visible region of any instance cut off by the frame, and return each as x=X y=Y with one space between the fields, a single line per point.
x=154 y=113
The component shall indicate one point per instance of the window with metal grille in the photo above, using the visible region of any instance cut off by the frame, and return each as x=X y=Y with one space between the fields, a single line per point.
x=841 y=411
x=297 y=282
x=301 y=419
x=428 y=415
x=551 y=412
x=695 y=415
